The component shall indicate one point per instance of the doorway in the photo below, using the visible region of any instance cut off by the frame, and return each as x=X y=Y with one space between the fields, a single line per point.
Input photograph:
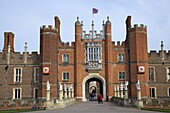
x=92 y=85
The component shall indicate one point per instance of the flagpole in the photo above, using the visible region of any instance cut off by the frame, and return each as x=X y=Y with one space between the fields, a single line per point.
x=92 y=22
x=92 y=14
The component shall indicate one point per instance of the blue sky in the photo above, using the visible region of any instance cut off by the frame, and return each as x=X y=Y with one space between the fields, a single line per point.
x=25 y=17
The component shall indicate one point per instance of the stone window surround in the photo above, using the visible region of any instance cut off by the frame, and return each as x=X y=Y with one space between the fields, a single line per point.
x=93 y=51
x=35 y=92
x=15 y=81
x=120 y=57
x=154 y=92
x=36 y=74
x=67 y=76
x=65 y=57
x=167 y=77
x=121 y=73
x=154 y=73
x=17 y=93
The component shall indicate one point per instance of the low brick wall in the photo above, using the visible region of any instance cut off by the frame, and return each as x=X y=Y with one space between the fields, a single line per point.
x=21 y=104
x=147 y=102
x=36 y=104
x=127 y=102
x=157 y=102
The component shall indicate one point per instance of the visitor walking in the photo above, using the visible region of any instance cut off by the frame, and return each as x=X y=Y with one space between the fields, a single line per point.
x=99 y=97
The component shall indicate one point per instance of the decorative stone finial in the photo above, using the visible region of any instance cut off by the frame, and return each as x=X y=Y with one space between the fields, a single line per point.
x=162 y=46
x=25 y=56
x=25 y=46
x=103 y=22
x=92 y=23
x=162 y=50
x=78 y=22
x=108 y=21
x=107 y=18
x=81 y=23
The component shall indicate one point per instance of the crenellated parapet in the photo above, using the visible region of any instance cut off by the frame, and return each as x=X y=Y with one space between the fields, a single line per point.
x=159 y=57
x=67 y=45
x=154 y=53
x=48 y=29
x=96 y=35
x=18 y=58
x=138 y=28
x=93 y=34
x=118 y=45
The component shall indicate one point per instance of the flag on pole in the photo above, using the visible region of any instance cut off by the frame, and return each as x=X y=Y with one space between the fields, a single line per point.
x=95 y=11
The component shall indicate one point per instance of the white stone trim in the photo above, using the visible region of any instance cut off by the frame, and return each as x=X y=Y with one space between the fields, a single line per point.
x=167 y=71
x=19 y=75
x=154 y=92
x=14 y=93
x=153 y=72
x=63 y=76
x=64 y=59
x=168 y=91
x=36 y=81
x=93 y=75
x=34 y=91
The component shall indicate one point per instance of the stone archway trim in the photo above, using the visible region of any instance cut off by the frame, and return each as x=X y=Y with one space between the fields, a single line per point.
x=93 y=75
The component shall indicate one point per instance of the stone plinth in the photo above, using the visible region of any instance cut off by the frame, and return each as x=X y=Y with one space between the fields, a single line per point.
x=48 y=95
x=126 y=94
x=60 y=94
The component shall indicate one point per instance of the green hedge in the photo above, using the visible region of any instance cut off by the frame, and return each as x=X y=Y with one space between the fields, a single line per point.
x=157 y=109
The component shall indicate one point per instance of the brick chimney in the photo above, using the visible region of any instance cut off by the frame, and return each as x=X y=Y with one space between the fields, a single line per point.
x=8 y=40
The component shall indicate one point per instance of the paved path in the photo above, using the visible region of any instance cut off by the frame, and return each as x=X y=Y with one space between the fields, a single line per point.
x=94 y=107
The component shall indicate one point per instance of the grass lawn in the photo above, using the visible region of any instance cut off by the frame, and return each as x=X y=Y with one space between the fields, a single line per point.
x=16 y=111
x=157 y=109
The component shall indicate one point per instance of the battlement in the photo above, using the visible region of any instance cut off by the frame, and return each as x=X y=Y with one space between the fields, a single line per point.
x=154 y=53
x=18 y=57
x=118 y=45
x=67 y=45
x=48 y=28
x=93 y=35
x=137 y=27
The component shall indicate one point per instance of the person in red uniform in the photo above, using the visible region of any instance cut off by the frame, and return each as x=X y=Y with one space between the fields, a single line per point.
x=100 y=98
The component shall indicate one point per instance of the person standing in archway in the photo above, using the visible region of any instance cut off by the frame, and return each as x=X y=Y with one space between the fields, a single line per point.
x=99 y=98
x=107 y=97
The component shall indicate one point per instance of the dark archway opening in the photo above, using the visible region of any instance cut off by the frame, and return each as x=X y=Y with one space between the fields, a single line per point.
x=93 y=86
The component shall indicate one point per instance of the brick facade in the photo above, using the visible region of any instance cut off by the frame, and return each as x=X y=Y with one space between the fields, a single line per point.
x=133 y=53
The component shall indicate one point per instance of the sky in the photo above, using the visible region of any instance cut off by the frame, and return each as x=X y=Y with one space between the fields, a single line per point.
x=25 y=17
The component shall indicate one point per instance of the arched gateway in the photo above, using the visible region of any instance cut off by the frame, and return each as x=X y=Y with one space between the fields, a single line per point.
x=86 y=86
